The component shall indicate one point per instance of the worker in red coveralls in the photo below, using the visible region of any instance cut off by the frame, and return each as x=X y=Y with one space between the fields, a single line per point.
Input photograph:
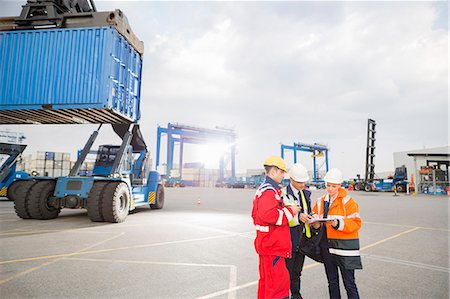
x=273 y=240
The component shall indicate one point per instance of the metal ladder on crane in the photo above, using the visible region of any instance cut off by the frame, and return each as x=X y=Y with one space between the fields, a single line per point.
x=370 y=152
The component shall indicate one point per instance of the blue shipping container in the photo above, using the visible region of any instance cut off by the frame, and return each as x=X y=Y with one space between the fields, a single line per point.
x=64 y=76
x=49 y=156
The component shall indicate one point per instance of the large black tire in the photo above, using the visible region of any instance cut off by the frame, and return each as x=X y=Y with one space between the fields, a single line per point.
x=159 y=201
x=94 y=202
x=367 y=188
x=19 y=194
x=357 y=187
x=400 y=188
x=13 y=188
x=38 y=201
x=115 y=202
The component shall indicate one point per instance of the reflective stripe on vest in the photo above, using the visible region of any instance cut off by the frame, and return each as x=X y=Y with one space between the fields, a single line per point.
x=343 y=252
x=261 y=228
x=280 y=218
x=344 y=201
x=263 y=188
x=354 y=215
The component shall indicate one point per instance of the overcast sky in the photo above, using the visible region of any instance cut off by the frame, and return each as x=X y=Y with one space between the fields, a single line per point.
x=282 y=72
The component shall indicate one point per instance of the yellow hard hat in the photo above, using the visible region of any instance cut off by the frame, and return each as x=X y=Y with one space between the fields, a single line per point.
x=275 y=161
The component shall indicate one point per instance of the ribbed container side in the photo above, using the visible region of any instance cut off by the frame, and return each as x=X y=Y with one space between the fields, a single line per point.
x=82 y=75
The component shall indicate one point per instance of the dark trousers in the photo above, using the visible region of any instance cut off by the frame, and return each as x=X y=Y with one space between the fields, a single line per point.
x=295 y=266
x=348 y=276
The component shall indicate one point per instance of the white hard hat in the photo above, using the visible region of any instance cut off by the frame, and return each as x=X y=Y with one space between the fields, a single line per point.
x=333 y=176
x=298 y=173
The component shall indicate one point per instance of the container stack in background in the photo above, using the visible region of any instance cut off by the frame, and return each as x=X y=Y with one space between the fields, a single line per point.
x=86 y=168
x=199 y=177
x=191 y=174
x=46 y=163
x=51 y=164
x=196 y=175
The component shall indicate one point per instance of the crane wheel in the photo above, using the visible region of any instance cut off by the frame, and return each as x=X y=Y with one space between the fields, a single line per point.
x=12 y=191
x=38 y=201
x=367 y=188
x=400 y=188
x=94 y=201
x=115 y=202
x=159 y=201
x=19 y=192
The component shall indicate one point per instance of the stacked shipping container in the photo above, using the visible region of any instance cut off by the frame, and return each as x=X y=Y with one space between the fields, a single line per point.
x=46 y=164
x=201 y=177
x=52 y=164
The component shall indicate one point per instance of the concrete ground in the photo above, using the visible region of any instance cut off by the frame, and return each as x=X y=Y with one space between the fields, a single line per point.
x=191 y=250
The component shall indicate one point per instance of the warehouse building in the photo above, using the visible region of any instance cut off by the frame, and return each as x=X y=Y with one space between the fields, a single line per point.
x=427 y=168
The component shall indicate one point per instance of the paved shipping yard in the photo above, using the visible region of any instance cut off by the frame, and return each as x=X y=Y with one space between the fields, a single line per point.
x=190 y=250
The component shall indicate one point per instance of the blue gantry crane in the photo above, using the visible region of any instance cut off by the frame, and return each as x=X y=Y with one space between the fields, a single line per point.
x=317 y=150
x=182 y=134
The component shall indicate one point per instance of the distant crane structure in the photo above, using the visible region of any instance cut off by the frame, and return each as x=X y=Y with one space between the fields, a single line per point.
x=317 y=150
x=182 y=134
x=370 y=151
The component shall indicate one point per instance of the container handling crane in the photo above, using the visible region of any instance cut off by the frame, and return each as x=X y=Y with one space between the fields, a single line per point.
x=86 y=69
x=399 y=182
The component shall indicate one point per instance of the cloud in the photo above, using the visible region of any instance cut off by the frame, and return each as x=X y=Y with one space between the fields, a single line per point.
x=297 y=71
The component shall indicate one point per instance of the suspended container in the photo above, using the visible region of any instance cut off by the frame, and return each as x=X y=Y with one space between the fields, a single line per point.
x=70 y=75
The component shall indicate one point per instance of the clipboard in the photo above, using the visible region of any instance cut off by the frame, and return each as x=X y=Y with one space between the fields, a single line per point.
x=322 y=219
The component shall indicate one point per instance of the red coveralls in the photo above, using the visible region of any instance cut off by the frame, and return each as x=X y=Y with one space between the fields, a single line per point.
x=273 y=241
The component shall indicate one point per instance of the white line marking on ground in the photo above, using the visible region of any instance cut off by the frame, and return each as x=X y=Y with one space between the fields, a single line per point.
x=31 y=232
x=54 y=261
x=118 y=248
x=233 y=282
x=248 y=284
x=233 y=268
x=390 y=238
x=147 y=262
x=406 y=263
x=35 y=224
x=223 y=292
x=402 y=225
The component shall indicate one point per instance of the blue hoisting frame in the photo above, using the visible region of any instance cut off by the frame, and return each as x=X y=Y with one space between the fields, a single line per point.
x=317 y=149
x=177 y=133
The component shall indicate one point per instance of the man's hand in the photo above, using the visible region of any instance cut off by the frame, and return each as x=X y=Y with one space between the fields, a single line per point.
x=295 y=209
x=315 y=225
x=304 y=218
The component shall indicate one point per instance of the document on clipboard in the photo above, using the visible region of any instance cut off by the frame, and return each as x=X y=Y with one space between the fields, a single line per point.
x=322 y=219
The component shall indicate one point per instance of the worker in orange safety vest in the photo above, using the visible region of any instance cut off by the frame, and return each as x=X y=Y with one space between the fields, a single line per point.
x=339 y=246
x=273 y=241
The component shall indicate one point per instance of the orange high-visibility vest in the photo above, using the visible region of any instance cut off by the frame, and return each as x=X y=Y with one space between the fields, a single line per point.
x=343 y=241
